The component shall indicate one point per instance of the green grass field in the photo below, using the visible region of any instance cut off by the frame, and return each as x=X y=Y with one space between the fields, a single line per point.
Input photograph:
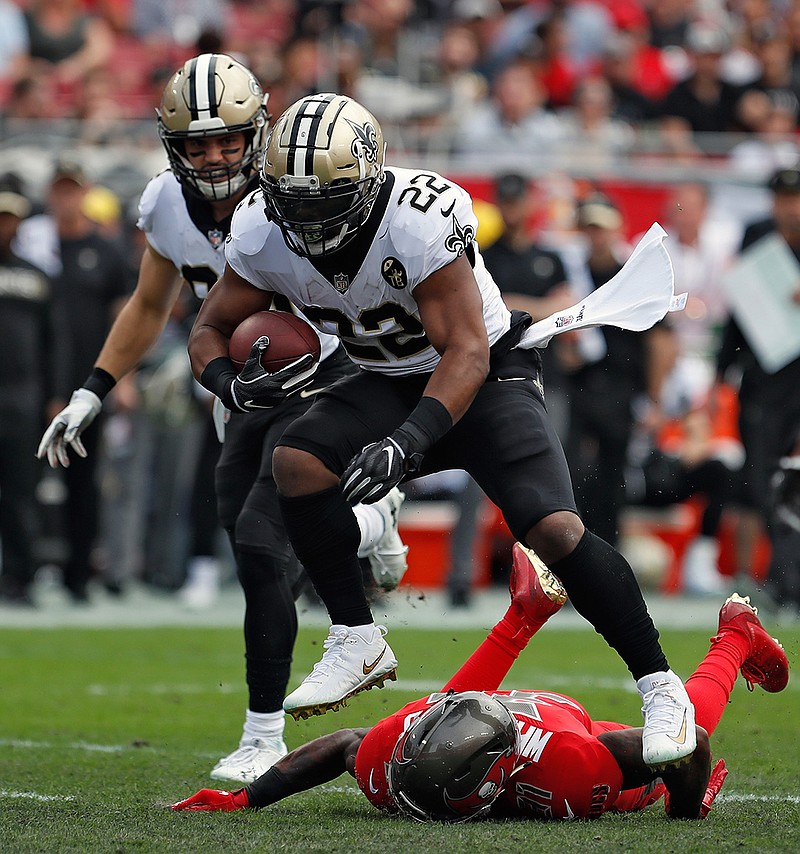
x=101 y=729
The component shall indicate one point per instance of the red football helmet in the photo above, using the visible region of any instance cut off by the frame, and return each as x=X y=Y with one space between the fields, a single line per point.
x=454 y=761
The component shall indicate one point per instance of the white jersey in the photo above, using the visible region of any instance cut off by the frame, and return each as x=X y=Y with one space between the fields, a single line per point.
x=164 y=218
x=199 y=257
x=366 y=294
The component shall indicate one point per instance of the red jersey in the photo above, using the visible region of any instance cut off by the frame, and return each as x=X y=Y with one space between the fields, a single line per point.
x=562 y=770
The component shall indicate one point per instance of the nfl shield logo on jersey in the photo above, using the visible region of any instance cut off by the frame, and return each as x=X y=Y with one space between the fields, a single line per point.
x=341 y=283
x=215 y=237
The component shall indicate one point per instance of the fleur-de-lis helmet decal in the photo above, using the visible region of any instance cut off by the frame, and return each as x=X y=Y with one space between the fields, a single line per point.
x=365 y=141
x=323 y=169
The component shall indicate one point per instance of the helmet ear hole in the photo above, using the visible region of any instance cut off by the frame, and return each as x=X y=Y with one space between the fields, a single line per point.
x=454 y=761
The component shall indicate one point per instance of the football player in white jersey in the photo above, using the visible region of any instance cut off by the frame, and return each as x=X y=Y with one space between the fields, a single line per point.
x=212 y=121
x=385 y=258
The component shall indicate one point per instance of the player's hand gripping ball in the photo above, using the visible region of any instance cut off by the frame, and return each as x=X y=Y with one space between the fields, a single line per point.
x=290 y=337
x=277 y=353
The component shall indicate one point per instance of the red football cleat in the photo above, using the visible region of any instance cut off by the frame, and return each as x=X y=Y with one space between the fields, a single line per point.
x=537 y=592
x=766 y=665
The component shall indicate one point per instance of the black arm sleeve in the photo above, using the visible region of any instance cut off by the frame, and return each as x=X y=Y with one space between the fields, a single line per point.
x=309 y=765
x=217 y=377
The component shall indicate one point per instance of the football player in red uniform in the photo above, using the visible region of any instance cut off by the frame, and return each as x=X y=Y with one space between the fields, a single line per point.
x=473 y=750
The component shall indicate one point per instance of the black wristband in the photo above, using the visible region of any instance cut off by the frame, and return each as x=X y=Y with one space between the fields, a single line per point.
x=270 y=787
x=99 y=382
x=428 y=422
x=217 y=377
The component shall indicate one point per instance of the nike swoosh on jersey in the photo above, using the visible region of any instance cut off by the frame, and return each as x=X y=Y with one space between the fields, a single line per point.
x=310 y=392
x=447 y=211
x=368 y=668
x=372 y=787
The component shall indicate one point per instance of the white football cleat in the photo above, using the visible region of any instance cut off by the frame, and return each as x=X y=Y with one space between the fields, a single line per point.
x=669 y=730
x=349 y=665
x=250 y=760
x=388 y=559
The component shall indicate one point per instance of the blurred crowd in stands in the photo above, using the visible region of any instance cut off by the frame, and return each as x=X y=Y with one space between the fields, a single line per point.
x=685 y=412
x=593 y=77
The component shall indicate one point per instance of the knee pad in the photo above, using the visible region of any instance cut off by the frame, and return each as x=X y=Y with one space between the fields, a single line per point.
x=227 y=506
x=259 y=570
x=255 y=532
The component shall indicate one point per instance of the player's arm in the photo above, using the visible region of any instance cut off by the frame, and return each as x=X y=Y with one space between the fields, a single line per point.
x=451 y=310
x=312 y=764
x=143 y=317
x=136 y=328
x=686 y=784
x=229 y=302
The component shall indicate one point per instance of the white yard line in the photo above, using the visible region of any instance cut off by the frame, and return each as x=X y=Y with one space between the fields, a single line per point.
x=568 y=683
x=97 y=690
x=25 y=744
x=736 y=797
x=35 y=796
x=733 y=797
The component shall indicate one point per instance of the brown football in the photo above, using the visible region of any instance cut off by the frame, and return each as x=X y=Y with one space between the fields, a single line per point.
x=290 y=337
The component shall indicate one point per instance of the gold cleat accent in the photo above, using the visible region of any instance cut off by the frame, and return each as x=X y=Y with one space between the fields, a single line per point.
x=664 y=766
x=305 y=712
x=741 y=600
x=550 y=584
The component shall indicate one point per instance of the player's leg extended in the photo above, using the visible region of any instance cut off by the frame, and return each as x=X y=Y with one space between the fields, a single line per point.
x=325 y=535
x=536 y=594
x=508 y=444
x=740 y=645
x=603 y=589
x=249 y=512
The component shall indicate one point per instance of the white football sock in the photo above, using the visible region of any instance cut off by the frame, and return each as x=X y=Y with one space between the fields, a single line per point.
x=264 y=724
x=372 y=525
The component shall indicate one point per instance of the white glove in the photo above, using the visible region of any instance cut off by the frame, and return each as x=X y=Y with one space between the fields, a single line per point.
x=66 y=428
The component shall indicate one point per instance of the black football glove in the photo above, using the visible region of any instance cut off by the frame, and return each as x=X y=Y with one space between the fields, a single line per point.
x=254 y=388
x=379 y=467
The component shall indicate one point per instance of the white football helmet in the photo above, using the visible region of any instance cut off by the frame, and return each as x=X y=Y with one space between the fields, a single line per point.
x=213 y=95
x=323 y=168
